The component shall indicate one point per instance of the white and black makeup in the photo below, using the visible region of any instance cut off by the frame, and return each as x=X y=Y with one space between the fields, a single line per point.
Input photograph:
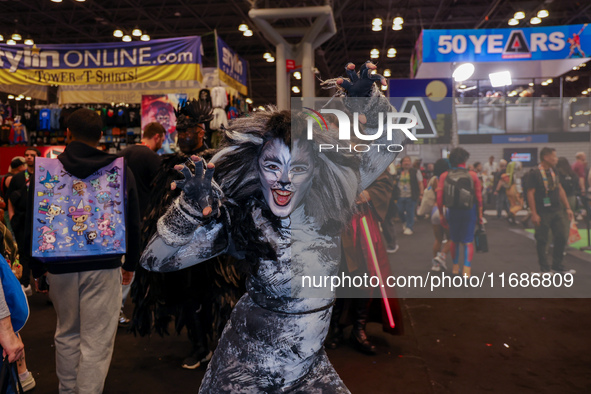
x=286 y=176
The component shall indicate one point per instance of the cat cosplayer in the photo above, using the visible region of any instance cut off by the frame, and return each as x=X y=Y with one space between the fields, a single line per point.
x=271 y=199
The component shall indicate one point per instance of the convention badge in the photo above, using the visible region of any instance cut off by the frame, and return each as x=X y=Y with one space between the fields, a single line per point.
x=547 y=202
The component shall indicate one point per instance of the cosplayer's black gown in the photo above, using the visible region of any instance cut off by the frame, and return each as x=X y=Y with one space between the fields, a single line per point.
x=274 y=339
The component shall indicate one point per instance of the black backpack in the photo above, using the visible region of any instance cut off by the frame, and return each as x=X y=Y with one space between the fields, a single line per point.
x=458 y=189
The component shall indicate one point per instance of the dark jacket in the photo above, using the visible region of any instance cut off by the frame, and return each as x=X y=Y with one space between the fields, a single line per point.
x=415 y=191
x=82 y=160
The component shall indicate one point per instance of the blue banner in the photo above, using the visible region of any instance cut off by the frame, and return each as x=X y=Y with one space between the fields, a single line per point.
x=520 y=139
x=116 y=62
x=233 y=68
x=513 y=44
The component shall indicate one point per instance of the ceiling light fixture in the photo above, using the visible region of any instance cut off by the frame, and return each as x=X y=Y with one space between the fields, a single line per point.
x=248 y=101
x=136 y=32
x=396 y=27
x=270 y=59
x=391 y=52
x=535 y=20
x=11 y=42
x=295 y=89
x=16 y=37
x=463 y=72
x=501 y=78
x=519 y=15
x=118 y=33
x=126 y=38
x=374 y=53
x=1 y=37
x=247 y=33
x=56 y=1
x=267 y=55
x=384 y=87
x=531 y=84
x=387 y=72
x=145 y=37
x=376 y=21
x=28 y=98
x=29 y=41
x=513 y=22
x=543 y=13
x=10 y=97
x=398 y=20
x=243 y=27
x=297 y=75
x=376 y=28
x=544 y=83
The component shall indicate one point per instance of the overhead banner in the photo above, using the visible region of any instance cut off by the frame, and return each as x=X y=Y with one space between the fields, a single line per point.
x=513 y=44
x=233 y=69
x=117 y=62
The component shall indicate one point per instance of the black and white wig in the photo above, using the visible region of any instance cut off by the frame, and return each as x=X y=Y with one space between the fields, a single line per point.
x=334 y=187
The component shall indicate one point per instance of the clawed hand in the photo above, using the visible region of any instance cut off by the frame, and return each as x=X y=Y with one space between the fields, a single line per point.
x=197 y=187
x=360 y=85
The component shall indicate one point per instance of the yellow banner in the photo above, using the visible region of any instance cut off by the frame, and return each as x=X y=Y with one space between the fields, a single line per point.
x=172 y=72
x=231 y=82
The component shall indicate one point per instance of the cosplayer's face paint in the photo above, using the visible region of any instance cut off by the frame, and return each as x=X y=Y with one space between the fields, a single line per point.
x=285 y=176
x=190 y=140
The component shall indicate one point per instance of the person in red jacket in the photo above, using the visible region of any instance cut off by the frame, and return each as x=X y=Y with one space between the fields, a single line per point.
x=461 y=222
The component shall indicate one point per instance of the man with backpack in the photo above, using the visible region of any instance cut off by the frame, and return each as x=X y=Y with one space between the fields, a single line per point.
x=460 y=191
x=86 y=289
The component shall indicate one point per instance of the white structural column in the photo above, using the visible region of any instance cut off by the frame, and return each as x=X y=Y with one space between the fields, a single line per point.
x=321 y=29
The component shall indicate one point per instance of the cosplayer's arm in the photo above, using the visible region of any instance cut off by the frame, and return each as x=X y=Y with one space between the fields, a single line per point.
x=367 y=99
x=192 y=230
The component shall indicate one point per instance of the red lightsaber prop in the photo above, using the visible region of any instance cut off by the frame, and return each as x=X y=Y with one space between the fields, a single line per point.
x=378 y=272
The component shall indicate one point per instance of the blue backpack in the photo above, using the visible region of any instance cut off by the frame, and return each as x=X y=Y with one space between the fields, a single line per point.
x=76 y=218
x=14 y=295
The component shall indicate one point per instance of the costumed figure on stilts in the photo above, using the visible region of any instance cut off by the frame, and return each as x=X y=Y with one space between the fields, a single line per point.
x=272 y=200
x=200 y=298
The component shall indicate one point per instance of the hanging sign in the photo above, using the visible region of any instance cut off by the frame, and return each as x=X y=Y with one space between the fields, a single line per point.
x=120 y=62
x=290 y=65
x=491 y=45
x=233 y=69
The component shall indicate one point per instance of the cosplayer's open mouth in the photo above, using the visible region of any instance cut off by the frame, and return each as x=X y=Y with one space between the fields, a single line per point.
x=281 y=197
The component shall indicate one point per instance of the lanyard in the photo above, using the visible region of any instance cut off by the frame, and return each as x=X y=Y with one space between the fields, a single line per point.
x=545 y=179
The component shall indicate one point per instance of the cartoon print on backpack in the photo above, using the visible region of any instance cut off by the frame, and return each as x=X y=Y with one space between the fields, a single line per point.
x=105 y=199
x=90 y=237
x=96 y=184
x=47 y=238
x=113 y=177
x=53 y=211
x=49 y=183
x=78 y=188
x=80 y=215
x=105 y=226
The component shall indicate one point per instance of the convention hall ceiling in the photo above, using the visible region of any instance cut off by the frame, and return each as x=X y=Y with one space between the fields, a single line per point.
x=72 y=21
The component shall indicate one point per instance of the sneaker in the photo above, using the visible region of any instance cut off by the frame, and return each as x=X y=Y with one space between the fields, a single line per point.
x=467 y=271
x=455 y=269
x=435 y=267
x=564 y=271
x=440 y=258
x=393 y=250
x=194 y=361
x=407 y=231
x=484 y=221
x=403 y=226
x=123 y=320
x=28 y=383
x=28 y=290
